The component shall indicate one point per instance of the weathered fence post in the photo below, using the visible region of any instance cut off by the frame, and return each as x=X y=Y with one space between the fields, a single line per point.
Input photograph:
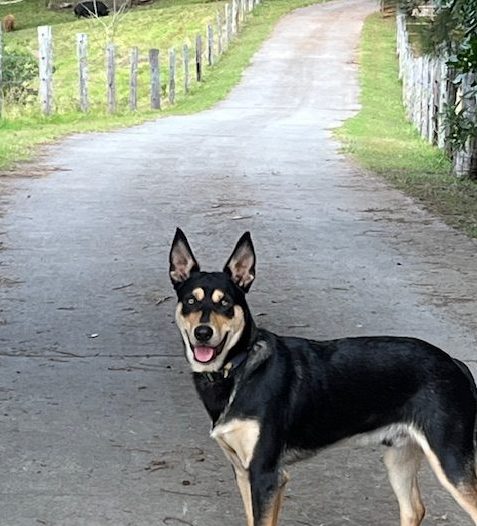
x=441 y=105
x=424 y=120
x=134 y=61
x=210 y=45
x=155 y=79
x=219 y=34
x=465 y=160
x=172 y=76
x=237 y=16
x=82 y=54
x=45 y=44
x=198 y=58
x=228 y=23
x=418 y=93
x=185 y=55
x=111 y=76
x=431 y=122
x=234 y=17
x=1 y=71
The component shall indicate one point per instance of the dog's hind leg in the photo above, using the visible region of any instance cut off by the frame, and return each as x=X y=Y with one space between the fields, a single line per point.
x=457 y=476
x=403 y=465
x=453 y=463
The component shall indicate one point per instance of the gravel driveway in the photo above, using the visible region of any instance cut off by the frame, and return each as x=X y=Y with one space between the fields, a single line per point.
x=99 y=421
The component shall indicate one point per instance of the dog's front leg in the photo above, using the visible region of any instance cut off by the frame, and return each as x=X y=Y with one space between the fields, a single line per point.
x=256 y=466
x=242 y=477
x=267 y=488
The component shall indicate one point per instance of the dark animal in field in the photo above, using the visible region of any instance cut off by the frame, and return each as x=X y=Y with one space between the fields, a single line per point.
x=91 y=9
x=9 y=23
x=276 y=399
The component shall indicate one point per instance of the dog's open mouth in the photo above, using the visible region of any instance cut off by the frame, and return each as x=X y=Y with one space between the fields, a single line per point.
x=206 y=353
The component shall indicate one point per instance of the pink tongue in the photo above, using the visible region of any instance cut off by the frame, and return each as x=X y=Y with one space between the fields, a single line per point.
x=204 y=354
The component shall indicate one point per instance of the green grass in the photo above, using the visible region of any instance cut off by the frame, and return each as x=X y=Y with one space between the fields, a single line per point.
x=383 y=141
x=169 y=23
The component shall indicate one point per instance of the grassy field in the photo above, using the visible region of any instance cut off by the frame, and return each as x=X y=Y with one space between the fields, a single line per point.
x=165 y=24
x=383 y=141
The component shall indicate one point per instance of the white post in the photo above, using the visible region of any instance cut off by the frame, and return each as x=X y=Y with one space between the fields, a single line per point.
x=82 y=54
x=45 y=45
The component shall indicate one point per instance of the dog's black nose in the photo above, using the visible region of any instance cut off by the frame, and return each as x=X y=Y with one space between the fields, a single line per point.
x=203 y=333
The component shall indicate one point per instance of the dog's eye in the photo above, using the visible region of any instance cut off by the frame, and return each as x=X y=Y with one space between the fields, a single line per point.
x=191 y=301
x=225 y=303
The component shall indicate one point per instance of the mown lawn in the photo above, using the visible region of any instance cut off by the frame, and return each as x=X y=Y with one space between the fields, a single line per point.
x=163 y=25
x=383 y=141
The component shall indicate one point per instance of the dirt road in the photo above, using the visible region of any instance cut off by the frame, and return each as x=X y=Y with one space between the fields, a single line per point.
x=99 y=422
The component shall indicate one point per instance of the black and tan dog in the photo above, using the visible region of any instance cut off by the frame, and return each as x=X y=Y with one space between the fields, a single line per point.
x=275 y=399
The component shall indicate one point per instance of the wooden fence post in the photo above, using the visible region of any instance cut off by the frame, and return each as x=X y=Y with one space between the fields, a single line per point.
x=237 y=16
x=198 y=57
x=411 y=85
x=172 y=76
x=210 y=45
x=234 y=17
x=111 y=76
x=82 y=54
x=134 y=60
x=411 y=67
x=155 y=79
x=45 y=44
x=219 y=34
x=424 y=121
x=465 y=160
x=186 y=58
x=431 y=126
x=228 y=23
x=443 y=99
x=418 y=95
x=1 y=71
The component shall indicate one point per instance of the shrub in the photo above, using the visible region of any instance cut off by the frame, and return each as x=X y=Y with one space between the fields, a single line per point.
x=20 y=69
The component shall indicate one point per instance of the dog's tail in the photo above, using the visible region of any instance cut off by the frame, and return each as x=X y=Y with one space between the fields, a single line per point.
x=465 y=369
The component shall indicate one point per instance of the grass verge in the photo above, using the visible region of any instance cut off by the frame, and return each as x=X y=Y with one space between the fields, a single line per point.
x=383 y=141
x=166 y=25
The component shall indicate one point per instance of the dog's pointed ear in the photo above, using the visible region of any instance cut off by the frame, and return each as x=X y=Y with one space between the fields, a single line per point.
x=241 y=264
x=181 y=260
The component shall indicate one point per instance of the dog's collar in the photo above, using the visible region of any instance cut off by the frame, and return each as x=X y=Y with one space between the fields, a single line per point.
x=230 y=366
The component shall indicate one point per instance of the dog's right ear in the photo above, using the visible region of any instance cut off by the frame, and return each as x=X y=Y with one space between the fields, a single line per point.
x=181 y=260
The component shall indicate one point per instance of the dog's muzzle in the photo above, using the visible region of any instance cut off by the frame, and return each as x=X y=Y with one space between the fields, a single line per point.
x=206 y=353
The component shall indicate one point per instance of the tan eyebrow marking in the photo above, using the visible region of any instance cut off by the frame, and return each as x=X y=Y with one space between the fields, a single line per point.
x=198 y=294
x=217 y=295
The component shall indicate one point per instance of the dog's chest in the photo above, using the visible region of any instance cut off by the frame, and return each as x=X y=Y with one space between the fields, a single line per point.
x=215 y=395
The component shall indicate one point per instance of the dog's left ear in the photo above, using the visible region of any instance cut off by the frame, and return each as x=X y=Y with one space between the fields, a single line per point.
x=181 y=260
x=241 y=264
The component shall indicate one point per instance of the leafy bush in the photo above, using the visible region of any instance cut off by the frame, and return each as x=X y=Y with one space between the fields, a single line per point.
x=20 y=68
